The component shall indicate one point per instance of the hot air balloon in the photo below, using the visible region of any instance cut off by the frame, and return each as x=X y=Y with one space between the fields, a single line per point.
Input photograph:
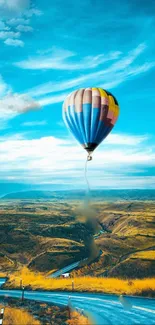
x=90 y=114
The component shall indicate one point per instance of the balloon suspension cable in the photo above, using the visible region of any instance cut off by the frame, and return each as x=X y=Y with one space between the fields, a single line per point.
x=89 y=158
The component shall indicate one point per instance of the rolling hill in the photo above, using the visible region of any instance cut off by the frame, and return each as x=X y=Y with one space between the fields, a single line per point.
x=97 y=195
x=46 y=235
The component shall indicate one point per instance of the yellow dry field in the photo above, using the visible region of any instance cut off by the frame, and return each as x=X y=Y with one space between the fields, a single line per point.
x=14 y=316
x=77 y=319
x=2 y=274
x=150 y=255
x=90 y=284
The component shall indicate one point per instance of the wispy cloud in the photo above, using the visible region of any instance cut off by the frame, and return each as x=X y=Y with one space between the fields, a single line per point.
x=58 y=59
x=113 y=75
x=13 y=7
x=11 y=38
x=33 y=12
x=52 y=99
x=35 y=123
x=14 y=42
x=125 y=139
x=6 y=34
x=129 y=59
x=18 y=21
x=110 y=77
x=124 y=182
x=24 y=28
x=16 y=14
x=57 y=86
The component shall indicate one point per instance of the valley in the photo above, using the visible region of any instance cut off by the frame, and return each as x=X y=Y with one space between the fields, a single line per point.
x=45 y=235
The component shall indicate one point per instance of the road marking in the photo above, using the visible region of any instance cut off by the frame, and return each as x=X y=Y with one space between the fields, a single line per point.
x=152 y=311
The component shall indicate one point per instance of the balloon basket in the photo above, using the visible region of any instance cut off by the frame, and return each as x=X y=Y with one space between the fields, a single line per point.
x=89 y=157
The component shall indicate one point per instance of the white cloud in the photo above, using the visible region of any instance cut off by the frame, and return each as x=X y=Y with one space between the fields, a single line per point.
x=24 y=28
x=121 y=182
x=124 y=139
x=141 y=69
x=88 y=79
x=52 y=87
x=16 y=13
x=6 y=34
x=50 y=160
x=18 y=21
x=13 y=104
x=58 y=59
x=14 y=42
x=129 y=59
x=10 y=8
x=33 y=11
x=35 y=123
x=110 y=81
x=128 y=156
x=108 y=78
x=15 y=136
x=52 y=99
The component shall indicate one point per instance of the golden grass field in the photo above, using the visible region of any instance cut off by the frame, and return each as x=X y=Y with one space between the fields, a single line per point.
x=77 y=319
x=150 y=255
x=2 y=274
x=14 y=316
x=145 y=287
x=45 y=236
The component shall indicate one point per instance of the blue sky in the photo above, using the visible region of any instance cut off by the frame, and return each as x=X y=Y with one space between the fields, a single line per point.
x=48 y=49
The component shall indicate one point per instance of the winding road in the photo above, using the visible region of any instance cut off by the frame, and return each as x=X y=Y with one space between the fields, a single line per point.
x=103 y=309
x=73 y=266
x=65 y=269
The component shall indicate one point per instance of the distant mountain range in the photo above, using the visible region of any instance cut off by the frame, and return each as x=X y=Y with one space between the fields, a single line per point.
x=106 y=195
x=13 y=187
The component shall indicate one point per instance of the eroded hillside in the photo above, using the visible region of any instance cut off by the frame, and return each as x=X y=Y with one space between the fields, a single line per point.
x=46 y=236
x=128 y=246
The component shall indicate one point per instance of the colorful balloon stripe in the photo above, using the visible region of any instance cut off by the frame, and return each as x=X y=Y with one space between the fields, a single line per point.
x=90 y=114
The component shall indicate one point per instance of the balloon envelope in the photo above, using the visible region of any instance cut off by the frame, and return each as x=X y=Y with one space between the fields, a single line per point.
x=90 y=114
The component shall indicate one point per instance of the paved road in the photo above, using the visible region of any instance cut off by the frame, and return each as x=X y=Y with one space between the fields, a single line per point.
x=76 y=264
x=2 y=281
x=65 y=269
x=69 y=267
x=104 y=309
